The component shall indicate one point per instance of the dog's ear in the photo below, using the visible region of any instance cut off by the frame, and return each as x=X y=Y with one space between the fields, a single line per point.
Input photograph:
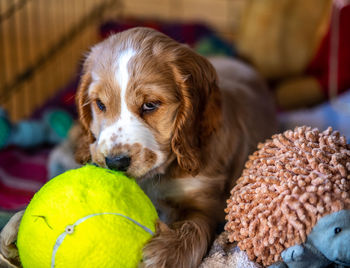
x=82 y=153
x=81 y=144
x=200 y=112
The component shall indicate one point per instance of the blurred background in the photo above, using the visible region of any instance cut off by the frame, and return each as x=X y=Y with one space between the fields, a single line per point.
x=42 y=42
x=301 y=48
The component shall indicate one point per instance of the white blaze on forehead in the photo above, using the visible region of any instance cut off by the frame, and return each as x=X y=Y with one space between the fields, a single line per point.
x=122 y=74
x=127 y=128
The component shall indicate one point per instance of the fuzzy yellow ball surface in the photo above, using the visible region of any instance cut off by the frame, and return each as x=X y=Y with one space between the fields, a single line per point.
x=87 y=217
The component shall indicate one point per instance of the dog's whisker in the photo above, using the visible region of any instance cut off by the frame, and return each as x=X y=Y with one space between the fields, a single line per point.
x=86 y=103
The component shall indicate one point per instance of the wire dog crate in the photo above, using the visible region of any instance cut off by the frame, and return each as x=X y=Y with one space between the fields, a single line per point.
x=41 y=41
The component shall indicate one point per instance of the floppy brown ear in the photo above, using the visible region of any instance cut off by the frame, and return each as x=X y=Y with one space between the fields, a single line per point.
x=81 y=145
x=82 y=153
x=200 y=112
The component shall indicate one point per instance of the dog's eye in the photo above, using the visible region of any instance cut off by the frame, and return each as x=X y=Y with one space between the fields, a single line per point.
x=100 y=105
x=337 y=230
x=149 y=106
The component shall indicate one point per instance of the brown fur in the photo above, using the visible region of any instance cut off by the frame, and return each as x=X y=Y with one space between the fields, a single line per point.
x=206 y=125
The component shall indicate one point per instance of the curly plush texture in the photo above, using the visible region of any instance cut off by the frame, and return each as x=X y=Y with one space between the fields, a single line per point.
x=292 y=181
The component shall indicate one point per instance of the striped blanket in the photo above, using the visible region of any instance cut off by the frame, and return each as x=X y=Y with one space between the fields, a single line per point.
x=22 y=173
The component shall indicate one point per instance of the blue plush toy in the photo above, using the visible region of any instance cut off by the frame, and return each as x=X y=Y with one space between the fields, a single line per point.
x=328 y=243
x=51 y=129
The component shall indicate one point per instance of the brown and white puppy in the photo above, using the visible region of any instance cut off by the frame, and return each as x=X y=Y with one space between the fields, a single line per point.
x=180 y=124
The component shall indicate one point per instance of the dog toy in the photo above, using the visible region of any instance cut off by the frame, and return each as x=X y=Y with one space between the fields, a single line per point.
x=301 y=67
x=291 y=206
x=88 y=215
x=52 y=129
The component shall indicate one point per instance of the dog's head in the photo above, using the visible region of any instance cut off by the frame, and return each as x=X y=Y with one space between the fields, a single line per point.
x=144 y=101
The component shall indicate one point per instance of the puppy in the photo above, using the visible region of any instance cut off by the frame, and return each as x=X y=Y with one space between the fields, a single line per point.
x=180 y=124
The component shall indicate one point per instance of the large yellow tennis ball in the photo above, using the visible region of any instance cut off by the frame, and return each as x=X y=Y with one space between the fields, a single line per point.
x=87 y=217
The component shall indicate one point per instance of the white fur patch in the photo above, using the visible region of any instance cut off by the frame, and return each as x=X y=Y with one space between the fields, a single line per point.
x=186 y=186
x=95 y=77
x=128 y=128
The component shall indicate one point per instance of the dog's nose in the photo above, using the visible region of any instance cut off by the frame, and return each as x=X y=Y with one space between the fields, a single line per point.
x=119 y=162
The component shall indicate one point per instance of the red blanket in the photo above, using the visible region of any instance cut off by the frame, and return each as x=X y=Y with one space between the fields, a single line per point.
x=22 y=173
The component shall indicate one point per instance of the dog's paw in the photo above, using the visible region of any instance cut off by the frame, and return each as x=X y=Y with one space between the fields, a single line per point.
x=8 y=237
x=172 y=248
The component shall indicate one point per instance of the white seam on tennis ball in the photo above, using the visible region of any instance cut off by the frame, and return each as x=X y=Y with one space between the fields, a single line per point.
x=70 y=230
